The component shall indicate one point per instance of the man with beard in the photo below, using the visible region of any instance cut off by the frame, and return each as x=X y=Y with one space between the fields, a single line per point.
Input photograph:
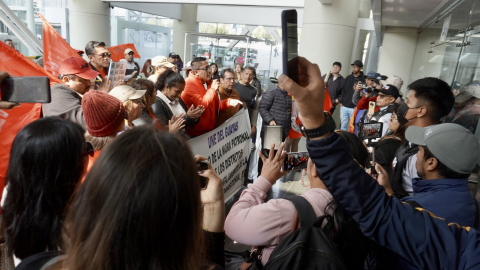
x=76 y=75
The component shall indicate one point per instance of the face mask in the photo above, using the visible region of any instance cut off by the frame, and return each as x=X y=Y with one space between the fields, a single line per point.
x=402 y=111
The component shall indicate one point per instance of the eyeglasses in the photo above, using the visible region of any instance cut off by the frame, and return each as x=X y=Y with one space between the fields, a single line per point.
x=204 y=68
x=382 y=96
x=89 y=150
x=103 y=55
x=230 y=79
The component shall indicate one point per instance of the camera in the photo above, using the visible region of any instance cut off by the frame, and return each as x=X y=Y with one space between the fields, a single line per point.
x=369 y=89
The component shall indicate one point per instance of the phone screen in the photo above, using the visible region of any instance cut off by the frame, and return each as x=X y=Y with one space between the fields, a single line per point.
x=295 y=161
x=370 y=130
x=26 y=89
x=202 y=166
x=290 y=44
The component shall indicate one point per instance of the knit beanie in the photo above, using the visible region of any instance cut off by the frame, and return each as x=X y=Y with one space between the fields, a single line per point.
x=103 y=113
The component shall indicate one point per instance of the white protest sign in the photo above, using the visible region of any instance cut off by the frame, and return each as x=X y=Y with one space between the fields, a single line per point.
x=116 y=73
x=227 y=148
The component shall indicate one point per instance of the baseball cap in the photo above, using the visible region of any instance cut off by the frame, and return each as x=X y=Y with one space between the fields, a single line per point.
x=125 y=92
x=358 y=63
x=393 y=80
x=390 y=90
x=127 y=51
x=453 y=145
x=77 y=66
x=372 y=75
x=79 y=51
x=161 y=61
x=456 y=85
x=173 y=55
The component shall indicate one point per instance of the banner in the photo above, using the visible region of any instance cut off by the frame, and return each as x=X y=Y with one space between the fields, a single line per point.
x=118 y=52
x=227 y=149
x=11 y=121
x=55 y=48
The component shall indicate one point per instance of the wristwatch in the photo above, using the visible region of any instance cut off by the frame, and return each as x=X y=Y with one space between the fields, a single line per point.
x=327 y=127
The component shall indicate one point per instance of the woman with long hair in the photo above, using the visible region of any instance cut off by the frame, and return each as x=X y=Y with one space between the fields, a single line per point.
x=142 y=207
x=147 y=70
x=47 y=160
x=214 y=71
x=238 y=72
x=170 y=107
x=270 y=222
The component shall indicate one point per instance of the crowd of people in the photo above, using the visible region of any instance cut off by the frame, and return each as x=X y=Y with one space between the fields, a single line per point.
x=105 y=179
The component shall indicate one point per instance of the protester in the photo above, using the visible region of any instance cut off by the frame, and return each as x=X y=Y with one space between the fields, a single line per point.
x=398 y=82
x=214 y=71
x=365 y=89
x=411 y=233
x=456 y=86
x=132 y=67
x=161 y=64
x=179 y=63
x=66 y=98
x=47 y=161
x=131 y=100
x=335 y=83
x=429 y=100
x=275 y=109
x=172 y=58
x=105 y=117
x=268 y=223
x=196 y=95
x=147 y=70
x=169 y=108
x=346 y=93
x=238 y=72
x=10 y=43
x=388 y=145
x=249 y=95
x=468 y=114
x=256 y=83
x=99 y=56
x=148 y=100
x=143 y=198
x=226 y=91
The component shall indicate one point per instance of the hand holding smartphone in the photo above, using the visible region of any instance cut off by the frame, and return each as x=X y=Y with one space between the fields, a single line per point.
x=295 y=161
x=26 y=90
x=202 y=166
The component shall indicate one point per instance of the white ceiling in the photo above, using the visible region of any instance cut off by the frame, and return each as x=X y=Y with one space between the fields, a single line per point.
x=409 y=13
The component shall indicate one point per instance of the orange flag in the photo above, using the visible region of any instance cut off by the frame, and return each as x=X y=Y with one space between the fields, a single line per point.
x=55 y=48
x=11 y=121
x=118 y=52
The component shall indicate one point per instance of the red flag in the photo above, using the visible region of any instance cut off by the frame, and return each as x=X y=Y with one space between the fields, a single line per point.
x=118 y=52
x=11 y=121
x=55 y=48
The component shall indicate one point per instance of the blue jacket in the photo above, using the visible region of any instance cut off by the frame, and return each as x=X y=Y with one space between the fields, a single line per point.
x=420 y=238
x=447 y=198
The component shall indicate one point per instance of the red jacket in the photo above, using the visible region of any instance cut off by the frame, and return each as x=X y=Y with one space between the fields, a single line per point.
x=195 y=94
x=363 y=103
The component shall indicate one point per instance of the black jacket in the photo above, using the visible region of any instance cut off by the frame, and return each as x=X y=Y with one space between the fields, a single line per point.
x=163 y=113
x=347 y=91
x=276 y=105
x=334 y=87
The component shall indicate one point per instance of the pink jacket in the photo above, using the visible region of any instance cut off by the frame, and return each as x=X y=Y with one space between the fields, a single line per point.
x=253 y=222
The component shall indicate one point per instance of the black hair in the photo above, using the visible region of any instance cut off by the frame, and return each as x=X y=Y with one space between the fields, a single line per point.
x=46 y=164
x=8 y=40
x=352 y=244
x=196 y=62
x=170 y=78
x=337 y=64
x=222 y=74
x=215 y=75
x=249 y=68
x=435 y=94
x=443 y=170
x=92 y=45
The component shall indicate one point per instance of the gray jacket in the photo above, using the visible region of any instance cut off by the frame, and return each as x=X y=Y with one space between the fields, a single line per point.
x=66 y=103
x=276 y=105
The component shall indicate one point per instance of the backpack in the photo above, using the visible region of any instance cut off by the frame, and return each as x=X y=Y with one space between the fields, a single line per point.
x=309 y=247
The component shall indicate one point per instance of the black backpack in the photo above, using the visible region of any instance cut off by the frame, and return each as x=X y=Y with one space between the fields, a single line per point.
x=309 y=247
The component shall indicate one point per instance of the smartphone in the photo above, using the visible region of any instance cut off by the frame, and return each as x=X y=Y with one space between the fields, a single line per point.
x=370 y=130
x=26 y=90
x=290 y=44
x=202 y=166
x=295 y=161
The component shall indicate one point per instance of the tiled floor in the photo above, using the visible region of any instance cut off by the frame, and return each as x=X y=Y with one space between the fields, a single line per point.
x=291 y=184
